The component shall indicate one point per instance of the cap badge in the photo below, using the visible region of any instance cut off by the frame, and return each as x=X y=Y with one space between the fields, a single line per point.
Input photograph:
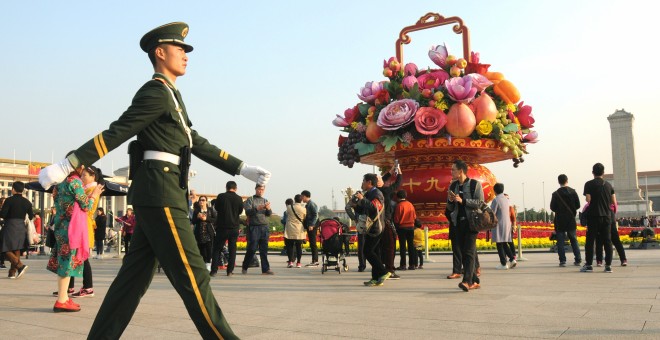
x=184 y=32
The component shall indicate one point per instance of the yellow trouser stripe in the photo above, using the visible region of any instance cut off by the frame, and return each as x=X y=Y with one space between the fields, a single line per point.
x=102 y=141
x=224 y=154
x=193 y=282
x=99 y=150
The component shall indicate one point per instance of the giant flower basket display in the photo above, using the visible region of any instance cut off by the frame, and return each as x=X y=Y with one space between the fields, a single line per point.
x=427 y=117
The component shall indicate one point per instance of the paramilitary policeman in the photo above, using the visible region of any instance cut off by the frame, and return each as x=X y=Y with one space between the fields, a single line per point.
x=160 y=158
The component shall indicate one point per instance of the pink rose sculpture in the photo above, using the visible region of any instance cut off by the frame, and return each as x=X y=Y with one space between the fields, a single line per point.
x=479 y=81
x=429 y=120
x=532 y=137
x=410 y=69
x=370 y=91
x=432 y=80
x=408 y=82
x=397 y=114
x=460 y=89
x=438 y=55
x=525 y=115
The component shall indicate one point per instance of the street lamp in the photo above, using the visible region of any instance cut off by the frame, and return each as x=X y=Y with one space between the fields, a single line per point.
x=545 y=212
x=524 y=208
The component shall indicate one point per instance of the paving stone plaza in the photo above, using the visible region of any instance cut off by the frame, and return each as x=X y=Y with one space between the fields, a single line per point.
x=537 y=299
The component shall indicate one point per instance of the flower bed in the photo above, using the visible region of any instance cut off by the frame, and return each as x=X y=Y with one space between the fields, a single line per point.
x=536 y=235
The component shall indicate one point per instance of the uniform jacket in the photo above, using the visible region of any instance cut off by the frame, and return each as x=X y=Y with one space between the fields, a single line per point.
x=294 y=230
x=152 y=116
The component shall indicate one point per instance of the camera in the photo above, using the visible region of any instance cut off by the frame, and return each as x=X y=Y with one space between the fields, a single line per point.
x=355 y=199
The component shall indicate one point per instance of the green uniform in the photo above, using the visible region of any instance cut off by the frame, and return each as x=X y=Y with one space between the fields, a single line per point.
x=162 y=230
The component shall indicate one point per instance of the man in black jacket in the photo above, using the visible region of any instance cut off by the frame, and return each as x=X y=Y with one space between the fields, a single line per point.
x=311 y=217
x=372 y=203
x=13 y=212
x=229 y=206
x=601 y=198
x=565 y=203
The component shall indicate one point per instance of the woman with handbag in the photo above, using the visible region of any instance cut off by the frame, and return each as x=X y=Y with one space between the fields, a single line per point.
x=294 y=232
x=71 y=246
x=203 y=220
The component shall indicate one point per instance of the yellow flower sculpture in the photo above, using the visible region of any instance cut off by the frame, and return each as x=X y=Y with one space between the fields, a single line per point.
x=484 y=128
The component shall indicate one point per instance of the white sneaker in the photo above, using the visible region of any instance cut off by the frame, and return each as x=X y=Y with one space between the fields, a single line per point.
x=502 y=267
x=512 y=264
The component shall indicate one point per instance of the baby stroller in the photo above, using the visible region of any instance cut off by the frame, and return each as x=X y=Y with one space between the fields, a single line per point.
x=331 y=245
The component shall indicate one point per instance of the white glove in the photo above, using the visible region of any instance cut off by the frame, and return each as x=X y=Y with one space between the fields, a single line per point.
x=255 y=174
x=55 y=173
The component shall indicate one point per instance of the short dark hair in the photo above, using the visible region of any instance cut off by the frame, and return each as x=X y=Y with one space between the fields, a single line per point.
x=259 y=186
x=306 y=193
x=297 y=198
x=498 y=188
x=562 y=179
x=401 y=194
x=152 y=56
x=100 y=209
x=288 y=201
x=371 y=178
x=19 y=186
x=598 y=169
x=231 y=185
x=460 y=165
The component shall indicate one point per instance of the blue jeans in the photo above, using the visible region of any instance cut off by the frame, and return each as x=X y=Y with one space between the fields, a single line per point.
x=561 y=239
x=257 y=238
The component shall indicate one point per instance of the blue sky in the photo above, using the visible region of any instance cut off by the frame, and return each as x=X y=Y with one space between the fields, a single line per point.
x=266 y=79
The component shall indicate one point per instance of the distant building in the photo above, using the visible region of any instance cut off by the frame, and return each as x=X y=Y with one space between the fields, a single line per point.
x=28 y=171
x=649 y=186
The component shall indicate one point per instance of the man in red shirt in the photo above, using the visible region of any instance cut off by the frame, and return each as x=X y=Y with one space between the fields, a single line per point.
x=404 y=221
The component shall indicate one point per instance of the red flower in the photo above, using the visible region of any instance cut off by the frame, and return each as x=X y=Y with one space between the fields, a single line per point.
x=382 y=98
x=65 y=250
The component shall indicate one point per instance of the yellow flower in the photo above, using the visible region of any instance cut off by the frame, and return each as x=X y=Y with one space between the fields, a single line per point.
x=370 y=117
x=441 y=104
x=512 y=107
x=354 y=125
x=484 y=128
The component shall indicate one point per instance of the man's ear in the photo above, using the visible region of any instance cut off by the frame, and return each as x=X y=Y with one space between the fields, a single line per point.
x=159 y=52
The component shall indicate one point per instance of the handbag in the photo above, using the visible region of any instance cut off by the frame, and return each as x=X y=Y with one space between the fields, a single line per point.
x=374 y=227
x=482 y=218
x=50 y=238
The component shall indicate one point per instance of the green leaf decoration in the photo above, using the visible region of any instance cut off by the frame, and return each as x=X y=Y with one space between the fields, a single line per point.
x=364 y=148
x=414 y=93
x=511 y=128
x=364 y=109
x=389 y=141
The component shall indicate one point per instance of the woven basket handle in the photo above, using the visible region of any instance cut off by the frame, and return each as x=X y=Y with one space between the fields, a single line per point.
x=433 y=20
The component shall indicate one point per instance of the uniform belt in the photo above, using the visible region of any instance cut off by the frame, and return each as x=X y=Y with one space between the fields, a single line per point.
x=162 y=156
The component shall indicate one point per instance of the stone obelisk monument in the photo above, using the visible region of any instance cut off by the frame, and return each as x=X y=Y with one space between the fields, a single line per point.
x=626 y=184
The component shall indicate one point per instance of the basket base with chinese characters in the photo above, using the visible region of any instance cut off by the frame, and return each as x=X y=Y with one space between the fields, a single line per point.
x=426 y=167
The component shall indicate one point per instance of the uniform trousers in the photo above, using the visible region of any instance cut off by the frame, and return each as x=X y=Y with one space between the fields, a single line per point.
x=162 y=234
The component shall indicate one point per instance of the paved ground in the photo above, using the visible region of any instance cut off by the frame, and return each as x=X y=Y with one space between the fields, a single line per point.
x=537 y=299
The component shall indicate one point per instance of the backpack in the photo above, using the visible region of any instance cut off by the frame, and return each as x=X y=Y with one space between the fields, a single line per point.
x=482 y=218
